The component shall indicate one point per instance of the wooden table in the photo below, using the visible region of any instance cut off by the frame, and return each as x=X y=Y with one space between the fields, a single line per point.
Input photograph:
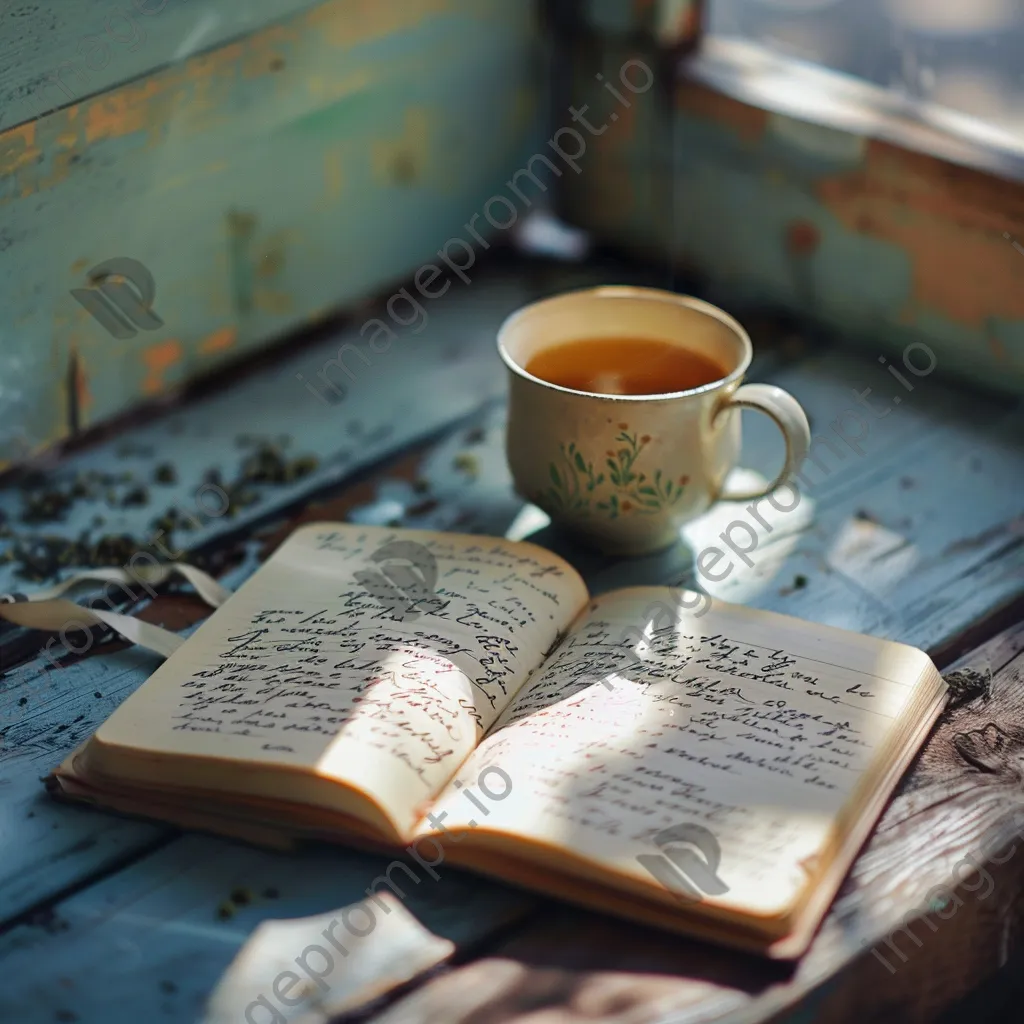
x=919 y=538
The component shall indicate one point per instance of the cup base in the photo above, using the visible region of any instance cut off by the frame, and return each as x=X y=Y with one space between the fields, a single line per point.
x=635 y=548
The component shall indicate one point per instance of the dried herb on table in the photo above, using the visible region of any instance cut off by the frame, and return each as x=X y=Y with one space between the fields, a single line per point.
x=268 y=464
x=42 y=557
x=965 y=684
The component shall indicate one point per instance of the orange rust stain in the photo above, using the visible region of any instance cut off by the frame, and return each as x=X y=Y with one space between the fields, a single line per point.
x=207 y=65
x=692 y=22
x=159 y=359
x=25 y=132
x=83 y=395
x=218 y=341
x=113 y=116
x=948 y=221
x=749 y=123
x=211 y=78
x=190 y=92
x=269 y=51
x=802 y=238
x=271 y=260
x=348 y=23
x=18 y=148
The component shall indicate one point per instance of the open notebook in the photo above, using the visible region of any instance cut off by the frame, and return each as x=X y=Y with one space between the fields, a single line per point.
x=712 y=774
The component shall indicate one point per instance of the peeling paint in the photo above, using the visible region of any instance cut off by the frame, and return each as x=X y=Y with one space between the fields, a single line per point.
x=403 y=160
x=948 y=223
x=802 y=238
x=882 y=244
x=158 y=359
x=218 y=341
x=119 y=113
x=366 y=20
x=18 y=148
x=269 y=51
x=279 y=125
x=748 y=123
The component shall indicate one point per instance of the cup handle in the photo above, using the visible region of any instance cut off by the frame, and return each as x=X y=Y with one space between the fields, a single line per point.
x=785 y=410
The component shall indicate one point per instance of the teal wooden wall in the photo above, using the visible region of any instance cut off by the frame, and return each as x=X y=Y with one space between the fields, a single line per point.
x=53 y=53
x=264 y=183
x=878 y=244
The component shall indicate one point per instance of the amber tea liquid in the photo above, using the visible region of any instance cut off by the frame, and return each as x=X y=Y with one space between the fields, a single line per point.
x=624 y=366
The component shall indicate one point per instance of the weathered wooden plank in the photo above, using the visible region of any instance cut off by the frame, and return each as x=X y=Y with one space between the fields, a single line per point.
x=963 y=793
x=914 y=539
x=463 y=484
x=424 y=382
x=153 y=939
x=284 y=175
x=881 y=244
x=45 y=712
x=469 y=490
x=418 y=387
x=53 y=54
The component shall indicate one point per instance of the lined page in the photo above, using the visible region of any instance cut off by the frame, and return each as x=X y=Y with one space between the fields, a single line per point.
x=755 y=726
x=322 y=659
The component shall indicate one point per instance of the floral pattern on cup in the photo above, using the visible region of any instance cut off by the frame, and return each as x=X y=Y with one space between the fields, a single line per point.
x=576 y=486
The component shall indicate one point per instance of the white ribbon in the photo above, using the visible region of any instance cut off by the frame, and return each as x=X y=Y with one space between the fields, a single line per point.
x=48 y=609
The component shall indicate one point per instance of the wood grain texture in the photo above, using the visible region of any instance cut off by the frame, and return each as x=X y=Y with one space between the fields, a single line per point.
x=114 y=44
x=958 y=515
x=283 y=175
x=45 y=711
x=913 y=538
x=96 y=47
x=881 y=244
x=150 y=942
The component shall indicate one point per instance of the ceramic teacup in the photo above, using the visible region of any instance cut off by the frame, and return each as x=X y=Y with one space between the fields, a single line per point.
x=624 y=472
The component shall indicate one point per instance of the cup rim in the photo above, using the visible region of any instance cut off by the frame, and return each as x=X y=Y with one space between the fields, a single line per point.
x=631 y=292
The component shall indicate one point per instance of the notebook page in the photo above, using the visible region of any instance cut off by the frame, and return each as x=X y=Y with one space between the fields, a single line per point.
x=321 y=661
x=754 y=726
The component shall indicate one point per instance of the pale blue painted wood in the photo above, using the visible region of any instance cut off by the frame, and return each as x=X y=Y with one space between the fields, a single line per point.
x=959 y=517
x=97 y=46
x=44 y=846
x=281 y=177
x=421 y=385
x=962 y=514
x=935 y=500
x=149 y=943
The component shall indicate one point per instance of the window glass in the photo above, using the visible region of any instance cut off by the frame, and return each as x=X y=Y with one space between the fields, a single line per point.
x=967 y=55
